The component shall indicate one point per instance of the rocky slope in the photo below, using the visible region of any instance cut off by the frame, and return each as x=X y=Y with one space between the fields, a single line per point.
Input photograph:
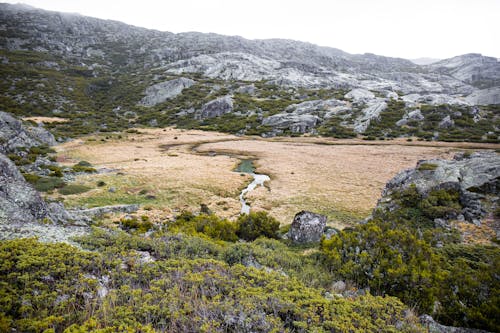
x=74 y=66
x=23 y=211
x=469 y=183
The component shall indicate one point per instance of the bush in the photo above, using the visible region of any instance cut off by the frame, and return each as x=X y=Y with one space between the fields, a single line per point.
x=46 y=184
x=84 y=166
x=134 y=224
x=209 y=225
x=31 y=177
x=255 y=225
x=73 y=189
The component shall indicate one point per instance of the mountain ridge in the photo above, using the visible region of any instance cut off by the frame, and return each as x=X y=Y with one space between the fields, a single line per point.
x=117 y=60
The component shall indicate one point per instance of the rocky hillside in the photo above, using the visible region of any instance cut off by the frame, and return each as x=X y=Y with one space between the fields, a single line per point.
x=105 y=75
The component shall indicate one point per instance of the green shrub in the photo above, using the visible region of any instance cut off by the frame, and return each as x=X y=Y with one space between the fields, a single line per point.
x=57 y=287
x=46 y=184
x=31 y=177
x=209 y=225
x=73 y=189
x=83 y=166
x=129 y=224
x=255 y=225
x=427 y=167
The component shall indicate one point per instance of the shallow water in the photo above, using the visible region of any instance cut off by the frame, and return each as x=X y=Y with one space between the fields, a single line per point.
x=246 y=166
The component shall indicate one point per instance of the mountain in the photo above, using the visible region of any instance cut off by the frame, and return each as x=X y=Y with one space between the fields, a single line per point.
x=424 y=61
x=75 y=66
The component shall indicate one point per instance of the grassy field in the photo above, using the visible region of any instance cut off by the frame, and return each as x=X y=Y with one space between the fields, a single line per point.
x=170 y=170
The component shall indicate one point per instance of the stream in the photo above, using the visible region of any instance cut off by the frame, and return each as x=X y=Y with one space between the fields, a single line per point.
x=246 y=166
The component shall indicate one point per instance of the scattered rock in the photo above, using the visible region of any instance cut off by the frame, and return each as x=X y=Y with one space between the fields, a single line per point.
x=295 y=123
x=318 y=107
x=248 y=89
x=329 y=232
x=307 y=227
x=339 y=286
x=217 y=107
x=416 y=115
x=360 y=95
x=447 y=122
x=14 y=135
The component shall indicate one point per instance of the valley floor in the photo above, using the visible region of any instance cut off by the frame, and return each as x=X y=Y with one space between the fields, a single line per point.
x=170 y=170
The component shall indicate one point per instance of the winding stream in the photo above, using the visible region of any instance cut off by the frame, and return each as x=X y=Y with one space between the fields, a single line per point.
x=246 y=166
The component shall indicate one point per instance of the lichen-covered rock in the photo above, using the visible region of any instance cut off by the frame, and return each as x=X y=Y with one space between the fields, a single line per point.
x=360 y=95
x=368 y=114
x=315 y=106
x=307 y=227
x=19 y=201
x=447 y=122
x=295 y=123
x=160 y=92
x=13 y=134
x=247 y=89
x=475 y=177
x=217 y=107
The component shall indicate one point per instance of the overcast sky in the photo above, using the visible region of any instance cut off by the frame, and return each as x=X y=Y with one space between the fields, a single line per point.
x=398 y=28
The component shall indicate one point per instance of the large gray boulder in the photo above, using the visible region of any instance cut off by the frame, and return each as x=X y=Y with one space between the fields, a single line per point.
x=316 y=106
x=295 y=123
x=160 y=92
x=371 y=112
x=19 y=201
x=475 y=177
x=217 y=107
x=307 y=227
x=360 y=95
x=13 y=134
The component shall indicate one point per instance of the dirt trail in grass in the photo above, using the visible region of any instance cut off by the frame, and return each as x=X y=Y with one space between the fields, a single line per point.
x=171 y=170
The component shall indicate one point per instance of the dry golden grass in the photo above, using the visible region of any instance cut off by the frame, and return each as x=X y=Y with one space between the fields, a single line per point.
x=341 y=181
x=178 y=178
x=340 y=178
x=46 y=119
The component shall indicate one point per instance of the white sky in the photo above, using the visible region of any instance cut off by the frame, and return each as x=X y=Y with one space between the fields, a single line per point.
x=398 y=28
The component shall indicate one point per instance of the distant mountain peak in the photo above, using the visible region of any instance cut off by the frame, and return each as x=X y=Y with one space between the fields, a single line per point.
x=424 y=61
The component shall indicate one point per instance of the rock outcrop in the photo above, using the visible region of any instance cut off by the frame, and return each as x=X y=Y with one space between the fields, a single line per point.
x=475 y=177
x=217 y=107
x=307 y=227
x=360 y=95
x=14 y=135
x=316 y=107
x=484 y=97
x=19 y=201
x=368 y=114
x=295 y=123
x=163 y=91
